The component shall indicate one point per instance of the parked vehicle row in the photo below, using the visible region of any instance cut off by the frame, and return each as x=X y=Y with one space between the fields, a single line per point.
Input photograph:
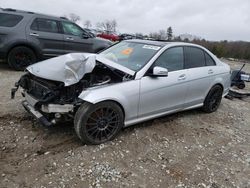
x=27 y=37
x=109 y=35
x=115 y=37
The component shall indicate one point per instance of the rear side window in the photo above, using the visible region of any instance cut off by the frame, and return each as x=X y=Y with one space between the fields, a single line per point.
x=209 y=60
x=45 y=25
x=172 y=59
x=194 y=57
x=9 y=20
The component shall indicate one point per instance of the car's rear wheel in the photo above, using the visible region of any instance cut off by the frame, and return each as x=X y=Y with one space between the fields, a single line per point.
x=20 y=57
x=213 y=99
x=241 y=85
x=98 y=123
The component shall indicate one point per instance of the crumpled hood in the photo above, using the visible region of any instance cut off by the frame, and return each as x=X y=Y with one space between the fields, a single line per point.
x=71 y=68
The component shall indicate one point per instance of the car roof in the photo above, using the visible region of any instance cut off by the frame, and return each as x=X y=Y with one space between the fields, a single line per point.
x=149 y=42
x=162 y=43
x=29 y=13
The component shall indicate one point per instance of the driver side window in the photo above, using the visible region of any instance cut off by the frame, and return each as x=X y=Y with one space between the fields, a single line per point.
x=172 y=59
x=71 y=29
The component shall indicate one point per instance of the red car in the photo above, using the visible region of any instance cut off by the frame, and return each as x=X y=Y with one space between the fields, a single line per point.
x=109 y=35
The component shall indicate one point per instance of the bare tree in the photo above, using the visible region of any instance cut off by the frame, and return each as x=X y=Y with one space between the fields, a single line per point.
x=114 y=25
x=74 y=17
x=154 y=35
x=162 y=35
x=108 y=25
x=87 y=24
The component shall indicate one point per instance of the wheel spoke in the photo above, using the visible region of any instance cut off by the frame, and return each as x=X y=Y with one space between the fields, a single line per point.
x=110 y=115
x=112 y=126
x=107 y=112
x=109 y=129
x=92 y=128
x=97 y=115
x=91 y=123
x=100 y=135
x=102 y=112
x=112 y=122
x=114 y=117
x=96 y=136
x=93 y=119
x=105 y=133
x=96 y=130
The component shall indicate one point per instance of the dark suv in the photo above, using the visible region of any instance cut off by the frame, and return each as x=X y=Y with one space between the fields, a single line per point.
x=26 y=37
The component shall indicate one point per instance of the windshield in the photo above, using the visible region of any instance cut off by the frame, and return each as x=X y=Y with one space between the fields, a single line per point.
x=132 y=55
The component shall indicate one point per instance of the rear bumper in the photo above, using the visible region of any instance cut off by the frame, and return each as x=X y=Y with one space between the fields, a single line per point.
x=36 y=114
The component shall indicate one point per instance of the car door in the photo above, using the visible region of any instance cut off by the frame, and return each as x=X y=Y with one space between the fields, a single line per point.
x=45 y=34
x=199 y=75
x=75 y=38
x=162 y=94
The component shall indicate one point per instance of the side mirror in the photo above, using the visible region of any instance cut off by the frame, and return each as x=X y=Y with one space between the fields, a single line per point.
x=85 y=36
x=160 y=72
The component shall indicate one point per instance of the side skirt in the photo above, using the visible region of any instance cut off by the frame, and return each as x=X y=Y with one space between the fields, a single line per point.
x=142 y=119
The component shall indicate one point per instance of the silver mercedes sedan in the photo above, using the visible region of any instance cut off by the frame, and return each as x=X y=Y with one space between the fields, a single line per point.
x=130 y=82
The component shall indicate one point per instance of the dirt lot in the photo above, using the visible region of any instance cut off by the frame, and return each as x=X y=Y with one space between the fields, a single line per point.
x=189 y=149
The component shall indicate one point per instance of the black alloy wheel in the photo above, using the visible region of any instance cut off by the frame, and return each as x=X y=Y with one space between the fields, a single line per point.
x=213 y=99
x=98 y=123
x=20 y=57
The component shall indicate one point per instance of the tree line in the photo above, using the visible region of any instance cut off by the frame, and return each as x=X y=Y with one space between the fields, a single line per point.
x=227 y=49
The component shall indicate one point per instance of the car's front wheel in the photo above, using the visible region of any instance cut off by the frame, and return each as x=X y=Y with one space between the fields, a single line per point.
x=98 y=123
x=213 y=99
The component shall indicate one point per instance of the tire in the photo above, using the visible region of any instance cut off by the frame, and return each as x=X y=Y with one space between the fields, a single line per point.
x=98 y=123
x=20 y=57
x=241 y=86
x=213 y=99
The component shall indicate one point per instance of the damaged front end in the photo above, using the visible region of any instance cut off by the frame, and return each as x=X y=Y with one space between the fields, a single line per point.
x=51 y=88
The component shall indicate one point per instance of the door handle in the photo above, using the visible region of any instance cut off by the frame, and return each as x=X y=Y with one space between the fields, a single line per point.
x=182 y=77
x=34 y=34
x=69 y=38
x=210 y=71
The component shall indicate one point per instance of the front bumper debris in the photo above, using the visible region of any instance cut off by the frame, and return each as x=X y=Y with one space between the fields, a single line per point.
x=36 y=114
x=14 y=90
x=57 y=108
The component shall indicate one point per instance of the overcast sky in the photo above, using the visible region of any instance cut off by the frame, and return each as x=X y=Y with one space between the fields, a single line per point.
x=211 y=19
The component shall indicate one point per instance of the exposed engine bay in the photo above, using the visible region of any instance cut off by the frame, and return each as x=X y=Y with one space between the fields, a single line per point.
x=54 y=91
x=54 y=98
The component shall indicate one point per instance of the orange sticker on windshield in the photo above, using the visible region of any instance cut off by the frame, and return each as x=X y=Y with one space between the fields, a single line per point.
x=127 y=51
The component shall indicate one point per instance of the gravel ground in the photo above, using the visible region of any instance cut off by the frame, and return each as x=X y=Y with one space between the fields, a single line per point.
x=188 y=149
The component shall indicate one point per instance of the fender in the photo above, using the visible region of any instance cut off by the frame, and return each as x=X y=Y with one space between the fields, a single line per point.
x=126 y=94
x=223 y=81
